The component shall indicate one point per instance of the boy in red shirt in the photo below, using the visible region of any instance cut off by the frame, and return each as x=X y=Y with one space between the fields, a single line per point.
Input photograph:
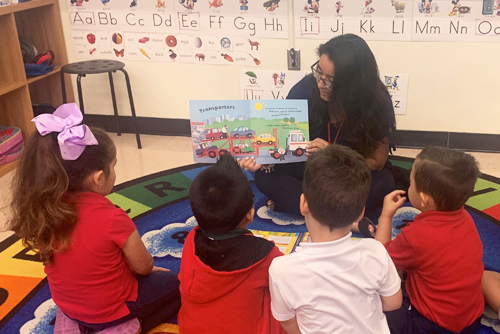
x=440 y=250
x=224 y=268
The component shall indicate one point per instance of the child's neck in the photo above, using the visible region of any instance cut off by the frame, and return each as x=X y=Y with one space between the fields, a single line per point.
x=243 y=224
x=429 y=209
x=322 y=233
x=429 y=206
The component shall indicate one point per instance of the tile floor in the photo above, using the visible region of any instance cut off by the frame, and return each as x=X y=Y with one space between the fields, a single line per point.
x=164 y=152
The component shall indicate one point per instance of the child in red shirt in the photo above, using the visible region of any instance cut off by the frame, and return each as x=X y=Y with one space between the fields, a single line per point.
x=440 y=250
x=224 y=268
x=98 y=269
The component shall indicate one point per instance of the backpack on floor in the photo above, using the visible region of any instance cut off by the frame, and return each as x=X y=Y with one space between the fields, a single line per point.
x=11 y=144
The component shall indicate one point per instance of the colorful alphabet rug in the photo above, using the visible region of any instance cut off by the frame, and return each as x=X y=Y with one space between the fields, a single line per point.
x=159 y=206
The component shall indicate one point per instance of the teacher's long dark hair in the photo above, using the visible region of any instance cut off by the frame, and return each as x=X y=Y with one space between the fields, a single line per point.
x=358 y=97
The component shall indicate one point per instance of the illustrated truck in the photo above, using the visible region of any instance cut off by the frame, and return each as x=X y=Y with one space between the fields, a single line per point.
x=296 y=144
x=207 y=149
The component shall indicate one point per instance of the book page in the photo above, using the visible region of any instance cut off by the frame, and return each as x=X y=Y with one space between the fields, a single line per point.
x=214 y=125
x=271 y=131
x=286 y=242
x=282 y=130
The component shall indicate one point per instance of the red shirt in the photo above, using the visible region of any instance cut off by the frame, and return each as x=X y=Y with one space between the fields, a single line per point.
x=225 y=301
x=442 y=254
x=91 y=281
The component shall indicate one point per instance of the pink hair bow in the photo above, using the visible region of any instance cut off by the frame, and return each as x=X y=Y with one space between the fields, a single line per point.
x=72 y=137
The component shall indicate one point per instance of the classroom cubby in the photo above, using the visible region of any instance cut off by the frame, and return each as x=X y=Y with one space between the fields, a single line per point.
x=40 y=22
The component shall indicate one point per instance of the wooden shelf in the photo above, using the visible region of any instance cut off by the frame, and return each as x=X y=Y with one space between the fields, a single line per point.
x=4 y=89
x=39 y=21
x=4 y=169
x=56 y=69
x=24 y=6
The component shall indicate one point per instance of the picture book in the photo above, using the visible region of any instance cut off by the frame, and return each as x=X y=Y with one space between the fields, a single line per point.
x=286 y=242
x=272 y=131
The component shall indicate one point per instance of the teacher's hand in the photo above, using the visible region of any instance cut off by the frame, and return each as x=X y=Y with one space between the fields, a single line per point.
x=249 y=164
x=316 y=145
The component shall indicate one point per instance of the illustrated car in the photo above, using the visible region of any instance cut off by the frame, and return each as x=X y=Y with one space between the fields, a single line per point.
x=264 y=138
x=242 y=131
x=214 y=133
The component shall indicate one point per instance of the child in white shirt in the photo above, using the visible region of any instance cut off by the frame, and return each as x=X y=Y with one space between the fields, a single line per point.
x=334 y=284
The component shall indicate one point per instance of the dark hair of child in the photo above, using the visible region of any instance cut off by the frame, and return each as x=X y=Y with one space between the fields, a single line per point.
x=448 y=176
x=336 y=185
x=221 y=196
x=44 y=215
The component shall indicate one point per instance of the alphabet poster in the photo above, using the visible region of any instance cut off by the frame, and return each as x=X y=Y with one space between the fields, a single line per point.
x=258 y=84
x=214 y=50
x=274 y=85
x=370 y=19
x=201 y=31
x=399 y=20
x=457 y=20
x=397 y=86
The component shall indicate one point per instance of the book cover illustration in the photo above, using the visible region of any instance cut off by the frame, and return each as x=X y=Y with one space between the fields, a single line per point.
x=286 y=242
x=272 y=131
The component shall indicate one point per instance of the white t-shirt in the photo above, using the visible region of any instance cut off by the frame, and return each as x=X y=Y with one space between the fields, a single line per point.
x=334 y=287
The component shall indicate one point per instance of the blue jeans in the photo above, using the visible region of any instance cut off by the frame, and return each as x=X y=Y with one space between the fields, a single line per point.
x=158 y=300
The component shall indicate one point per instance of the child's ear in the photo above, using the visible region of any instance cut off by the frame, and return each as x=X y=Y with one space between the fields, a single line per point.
x=95 y=181
x=250 y=215
x=423 y=199
x=426 y=201
x=360 y=216
x=99 y=178
x=304 y=208
x=247 y=219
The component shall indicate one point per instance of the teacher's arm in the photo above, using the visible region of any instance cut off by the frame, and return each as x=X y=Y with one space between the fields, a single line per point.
x=379 y=157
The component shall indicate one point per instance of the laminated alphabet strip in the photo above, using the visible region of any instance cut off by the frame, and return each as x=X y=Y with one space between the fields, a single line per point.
x=370 y=19
x=200 y=49
x=99 y=44
x=256 y=84
x=245 y=18
x=399 y=20
x=464 y=21
x=397 y=86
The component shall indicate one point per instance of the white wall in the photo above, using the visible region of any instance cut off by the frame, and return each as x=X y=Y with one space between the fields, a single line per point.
x=452 y=86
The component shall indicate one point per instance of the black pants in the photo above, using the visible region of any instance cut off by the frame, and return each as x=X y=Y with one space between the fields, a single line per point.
x=404 y=321
x=284 y=186
x=158 y=300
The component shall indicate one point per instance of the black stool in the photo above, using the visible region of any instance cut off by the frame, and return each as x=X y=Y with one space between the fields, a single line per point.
x=101 y=66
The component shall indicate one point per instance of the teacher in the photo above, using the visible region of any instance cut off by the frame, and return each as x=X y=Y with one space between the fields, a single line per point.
x=348 y=105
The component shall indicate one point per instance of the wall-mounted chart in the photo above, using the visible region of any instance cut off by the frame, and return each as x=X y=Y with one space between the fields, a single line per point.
x=211 y=32
x=399 y=20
